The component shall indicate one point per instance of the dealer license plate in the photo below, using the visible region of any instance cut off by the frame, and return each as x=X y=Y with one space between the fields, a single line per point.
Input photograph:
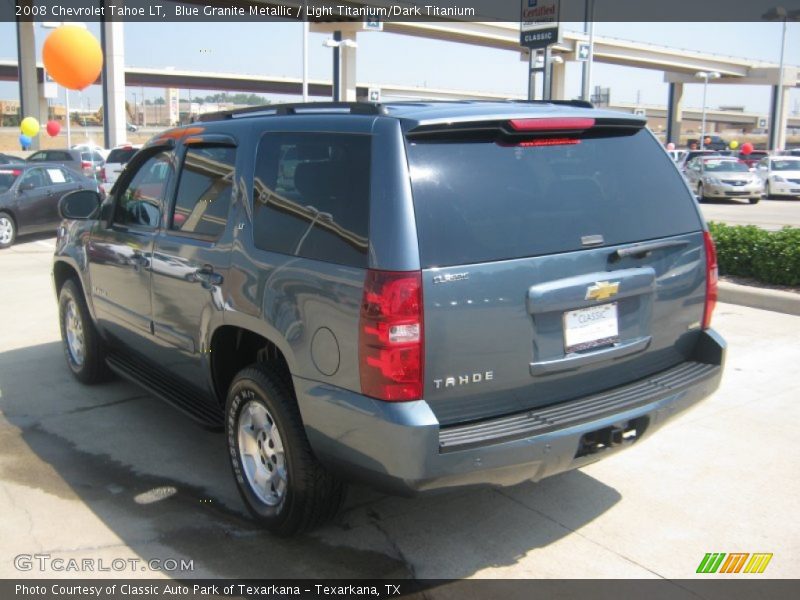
x=590 y=327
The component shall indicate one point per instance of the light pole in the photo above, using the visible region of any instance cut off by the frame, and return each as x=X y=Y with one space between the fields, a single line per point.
x=338 y=44
x=777 y=129
x=705 y=76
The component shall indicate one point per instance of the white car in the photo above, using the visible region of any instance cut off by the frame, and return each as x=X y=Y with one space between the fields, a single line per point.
x=115 y=163
x=91 y=147
x=723 y=177
x=780 y=174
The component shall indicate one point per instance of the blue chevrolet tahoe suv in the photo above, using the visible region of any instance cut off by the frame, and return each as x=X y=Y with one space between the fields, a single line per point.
x=417 y=296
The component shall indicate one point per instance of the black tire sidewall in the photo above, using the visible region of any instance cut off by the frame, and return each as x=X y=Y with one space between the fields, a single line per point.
x=247 y=389
x=13 y=230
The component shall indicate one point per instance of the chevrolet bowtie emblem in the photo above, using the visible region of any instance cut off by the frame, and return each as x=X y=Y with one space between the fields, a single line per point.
x=602 y=290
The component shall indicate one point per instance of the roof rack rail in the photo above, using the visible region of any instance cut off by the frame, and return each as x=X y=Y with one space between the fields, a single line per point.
x=354 y=108
x=579 y=103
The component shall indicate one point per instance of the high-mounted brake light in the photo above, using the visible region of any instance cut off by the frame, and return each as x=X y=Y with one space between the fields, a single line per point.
x=391 y=336
x=712 y=277
x=552 y=124
x=549 y=142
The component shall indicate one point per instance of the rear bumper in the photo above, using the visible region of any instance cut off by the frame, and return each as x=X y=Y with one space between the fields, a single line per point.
x=399 y=447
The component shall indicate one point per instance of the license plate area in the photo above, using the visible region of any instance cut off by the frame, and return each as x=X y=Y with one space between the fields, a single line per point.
x=591 y=327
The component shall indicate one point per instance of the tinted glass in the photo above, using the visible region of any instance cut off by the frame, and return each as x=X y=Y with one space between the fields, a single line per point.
x=786 y=165
x=121 y=155
x=7 y=178
x=204 y=190
x=37 y=177
x=725 y=165
x=91 y=157
x=37 y=156
x=59 y=156
x=139 y=204
x=479 y=202
x=311 y=196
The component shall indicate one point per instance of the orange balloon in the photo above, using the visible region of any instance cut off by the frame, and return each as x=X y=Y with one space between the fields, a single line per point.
x=73 y=57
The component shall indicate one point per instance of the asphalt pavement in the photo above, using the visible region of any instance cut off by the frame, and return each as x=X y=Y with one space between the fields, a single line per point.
x=772 y=213
x=109 y=472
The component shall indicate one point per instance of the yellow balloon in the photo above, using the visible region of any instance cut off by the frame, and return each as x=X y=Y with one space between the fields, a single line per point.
x=29 y=126
x=734 y=145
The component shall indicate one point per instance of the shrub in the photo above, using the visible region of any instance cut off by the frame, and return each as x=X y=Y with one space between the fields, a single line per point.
x=747 y=251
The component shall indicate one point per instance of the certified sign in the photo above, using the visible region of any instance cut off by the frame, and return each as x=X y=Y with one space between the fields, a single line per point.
x=539 y=23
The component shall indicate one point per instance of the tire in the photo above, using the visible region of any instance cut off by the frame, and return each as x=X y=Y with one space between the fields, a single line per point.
x=8 y=230
x=83 y=347
x=700 y=196
x=289 y=492
x=754 y=200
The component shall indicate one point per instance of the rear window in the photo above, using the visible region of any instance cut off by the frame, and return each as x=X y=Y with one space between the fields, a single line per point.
x=121 y=155
x=7 y=178
x=480 y=201
x=311 y=196
x=93 y=157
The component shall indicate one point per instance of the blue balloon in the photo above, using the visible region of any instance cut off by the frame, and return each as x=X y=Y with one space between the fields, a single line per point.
x=24 y=140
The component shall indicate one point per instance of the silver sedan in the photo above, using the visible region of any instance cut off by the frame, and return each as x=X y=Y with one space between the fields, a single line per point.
x=722 y=177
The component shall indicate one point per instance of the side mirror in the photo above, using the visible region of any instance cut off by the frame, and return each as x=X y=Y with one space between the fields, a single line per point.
x=25 y=187
x=79 y=205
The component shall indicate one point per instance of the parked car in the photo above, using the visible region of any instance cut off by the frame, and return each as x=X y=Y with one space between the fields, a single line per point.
x=29 y=196
x=86 y=162
x=431 y=296
x=91 y=147
x=5 y=159
x=780 y=175
x=692 y=154
x=117 y=159
x=723 y=177
x=751 y=159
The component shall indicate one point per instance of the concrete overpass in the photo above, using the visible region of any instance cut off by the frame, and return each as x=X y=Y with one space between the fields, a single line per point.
x=679 y=67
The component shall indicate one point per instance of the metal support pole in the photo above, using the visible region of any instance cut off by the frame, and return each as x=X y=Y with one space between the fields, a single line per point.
x=777 y=126
x=305 y=61
x=69 y=120
x=337 y=67
x=703 y=126
x=546 y=74
x=532 y=75
x=586 y=84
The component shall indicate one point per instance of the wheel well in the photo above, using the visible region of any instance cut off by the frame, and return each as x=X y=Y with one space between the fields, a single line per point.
x=233 y=348
x=61 y=272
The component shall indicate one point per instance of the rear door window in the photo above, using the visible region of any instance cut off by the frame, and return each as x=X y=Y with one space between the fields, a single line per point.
x=480 y=201
x=311 y=196
x=120 y=155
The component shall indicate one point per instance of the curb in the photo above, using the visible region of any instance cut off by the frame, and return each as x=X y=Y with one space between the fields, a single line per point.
x=754 y=297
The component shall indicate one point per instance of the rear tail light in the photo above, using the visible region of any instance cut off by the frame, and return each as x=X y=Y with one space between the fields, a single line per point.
x=16 y=172
x=85 y=164
x=391 y=336
x=712 y=277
